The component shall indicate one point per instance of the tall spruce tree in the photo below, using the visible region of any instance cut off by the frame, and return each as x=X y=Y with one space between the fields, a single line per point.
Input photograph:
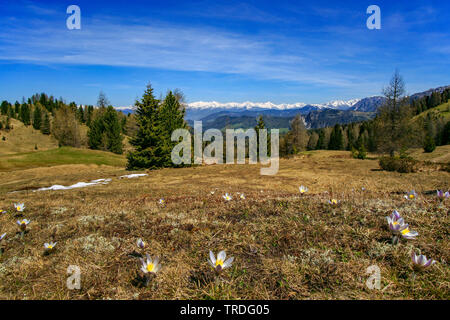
x=95 y=134
x=148 y=153
x=336 y=139
x=113 y=131
x=321 y=144
x=16 y=109
x=37 y=117
x=105 y=132
x=25 y=114
x=172 y=118
x=4 y=108
x=155 y=121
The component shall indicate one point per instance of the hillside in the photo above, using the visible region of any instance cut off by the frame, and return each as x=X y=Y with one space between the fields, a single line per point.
x=442 y=110
x=329 y=118
x=285 y=246
x=59 y=156
x=24 y=139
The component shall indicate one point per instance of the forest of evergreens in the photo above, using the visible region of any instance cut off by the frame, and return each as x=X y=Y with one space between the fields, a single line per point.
x=396 y=127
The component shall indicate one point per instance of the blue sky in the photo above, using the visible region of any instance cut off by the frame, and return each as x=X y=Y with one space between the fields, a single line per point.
x=226 y=51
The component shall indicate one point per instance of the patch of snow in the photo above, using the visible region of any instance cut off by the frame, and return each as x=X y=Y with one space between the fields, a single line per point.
x=135 y=175
x=76 y=185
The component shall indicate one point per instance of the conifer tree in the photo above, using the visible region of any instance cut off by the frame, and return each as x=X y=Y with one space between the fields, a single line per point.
x=336 y=139
x=95 y=134
x=113 y=131
x=156 y=121
x=45 y=127
x=4 y=108
x=37 y=117
x=172 y=118
x=25 y=114
x=445 y=138
x=147 y=152
x=321 y=145
x=16 y=109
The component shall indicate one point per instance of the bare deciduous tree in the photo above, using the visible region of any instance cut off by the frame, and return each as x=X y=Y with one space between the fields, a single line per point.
x=394 y=127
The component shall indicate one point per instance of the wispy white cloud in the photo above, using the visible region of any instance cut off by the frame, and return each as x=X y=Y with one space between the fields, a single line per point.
x=114 y=41
x=173 y=47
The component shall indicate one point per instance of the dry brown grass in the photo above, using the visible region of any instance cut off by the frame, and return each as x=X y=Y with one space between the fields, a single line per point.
x=24 y=139
x=285 y=246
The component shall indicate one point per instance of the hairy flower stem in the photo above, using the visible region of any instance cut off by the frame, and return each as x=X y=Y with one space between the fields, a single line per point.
x=394 y=240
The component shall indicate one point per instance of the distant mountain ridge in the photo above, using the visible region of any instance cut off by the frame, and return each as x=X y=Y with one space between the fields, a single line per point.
x=234 y=114
x=200 y=110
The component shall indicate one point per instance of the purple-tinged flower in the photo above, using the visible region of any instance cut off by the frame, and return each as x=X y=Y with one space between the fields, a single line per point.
x=333 y=202
x=140 y=243
x=395 y=219
x=441 y=195
x=2 y=236
x=421 y=262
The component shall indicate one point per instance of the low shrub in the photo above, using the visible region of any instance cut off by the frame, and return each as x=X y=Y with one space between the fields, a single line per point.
x=359 y=153
x=402 y=165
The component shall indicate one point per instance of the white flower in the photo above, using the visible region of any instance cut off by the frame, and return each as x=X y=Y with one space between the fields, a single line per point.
x=23 y=223
x=303 y=189
x=150 y=265
x=421 y=262
x=242 y=196
x=162 y=201
x=227 y=197
x=49 y=246
x=140 y=243
x=220 y=263
x=412 y=195
x=19 y=206
x=408 y=234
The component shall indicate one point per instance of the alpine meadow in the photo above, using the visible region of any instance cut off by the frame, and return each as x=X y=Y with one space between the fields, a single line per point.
x=137 y=163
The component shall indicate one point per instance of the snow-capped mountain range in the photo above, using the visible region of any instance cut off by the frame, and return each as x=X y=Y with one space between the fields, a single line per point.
x=200 y=110
x=248 y=105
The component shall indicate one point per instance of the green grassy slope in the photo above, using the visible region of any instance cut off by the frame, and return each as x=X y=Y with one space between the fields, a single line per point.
x=59 y=156
x=441 y=110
